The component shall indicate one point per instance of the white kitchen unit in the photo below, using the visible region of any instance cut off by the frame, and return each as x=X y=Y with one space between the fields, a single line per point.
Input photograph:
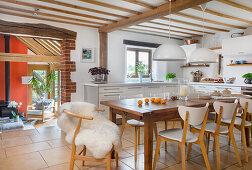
x=95 y=93
x=237 y=46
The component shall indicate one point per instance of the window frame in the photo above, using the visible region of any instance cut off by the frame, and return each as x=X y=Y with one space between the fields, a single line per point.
x=137 y=50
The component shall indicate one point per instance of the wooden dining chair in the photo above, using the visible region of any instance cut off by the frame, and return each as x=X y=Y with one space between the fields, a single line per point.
x=240 y=123
x=225 y=111
x=82 y=155
x=191 y=116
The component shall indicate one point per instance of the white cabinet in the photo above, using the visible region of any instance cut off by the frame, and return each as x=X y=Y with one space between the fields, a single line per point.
x=237 y=46
x=153 y=91
x=172 y=89
x=211 y=89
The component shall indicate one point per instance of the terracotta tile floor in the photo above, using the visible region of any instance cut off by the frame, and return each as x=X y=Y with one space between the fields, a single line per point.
x=45 y=148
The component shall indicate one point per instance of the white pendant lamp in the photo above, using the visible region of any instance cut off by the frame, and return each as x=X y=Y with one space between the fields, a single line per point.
x=169 y=51
x=203 y=55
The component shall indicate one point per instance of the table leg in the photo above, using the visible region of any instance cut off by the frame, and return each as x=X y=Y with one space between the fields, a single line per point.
x=148 y=142
x=112 y=118
x=247 y=134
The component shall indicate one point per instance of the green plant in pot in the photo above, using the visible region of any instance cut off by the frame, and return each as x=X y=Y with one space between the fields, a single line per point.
x=42 y=84
x=248 y=78
x=141 y=68
x=170 y=76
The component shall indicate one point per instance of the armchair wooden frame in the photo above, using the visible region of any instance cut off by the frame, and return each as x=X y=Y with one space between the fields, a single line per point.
x=216 y=144
x=42 y=116
x=182 y=144
x=82 y=155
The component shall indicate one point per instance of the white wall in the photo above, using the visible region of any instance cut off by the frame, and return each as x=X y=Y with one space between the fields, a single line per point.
x=117 y=60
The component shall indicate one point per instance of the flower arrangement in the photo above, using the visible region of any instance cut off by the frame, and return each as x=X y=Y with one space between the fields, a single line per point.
x=141 y=67
x=98 y=70
x=170 y=76
x=14 y=105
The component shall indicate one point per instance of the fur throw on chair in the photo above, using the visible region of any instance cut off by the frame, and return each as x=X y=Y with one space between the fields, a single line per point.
x=99 y=135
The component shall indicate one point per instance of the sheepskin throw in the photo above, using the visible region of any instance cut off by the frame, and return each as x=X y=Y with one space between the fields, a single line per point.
x=99 y=135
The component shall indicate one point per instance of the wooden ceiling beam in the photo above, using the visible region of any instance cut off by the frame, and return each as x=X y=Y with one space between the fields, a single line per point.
x=46 y=19
x=151 y=14
x=50 y=15
x=195 y=25
x=173 y=31
x=28 y=58
x=46 y=46
x=140 y=3
x=208 y=21
x=55 y=44
x=30 y=46
x=223 y=15
x=110 y=6
x=49 y=42
x=82 y=8
x=38 y=30
x=183 y=28
x=18 y=2
x=236 y=5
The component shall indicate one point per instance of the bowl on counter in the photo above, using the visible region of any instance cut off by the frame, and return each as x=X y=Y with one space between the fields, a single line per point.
x=237 y=62
x=230 y=80
x=243 y=61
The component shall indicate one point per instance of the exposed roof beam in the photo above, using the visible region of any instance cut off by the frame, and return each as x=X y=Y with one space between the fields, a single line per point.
x=155 y=32
x=183 y=28
x=195 y=25
x=46 y=19
x=56 y=10
x=223 y=15
x=208 y=21
x=82 y=8
x=110 y=6
x=28 y=58
x=49 y=15
x=45 y=45
x=56 y=44
x=31 y=46
x=140 y=3
x=49 y=42
x=151 y=14
x=174 y=31
x=233 y=4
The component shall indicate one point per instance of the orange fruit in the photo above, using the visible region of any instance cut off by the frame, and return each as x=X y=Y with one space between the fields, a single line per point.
x=163 y=101
x=156 y=101
x=152 y=99
x=159 y=99
x=146 y=100
x=140 y=102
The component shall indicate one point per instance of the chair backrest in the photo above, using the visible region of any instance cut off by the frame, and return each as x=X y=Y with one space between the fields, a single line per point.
x=228 y=108
x=196 y=114
x=243 y=101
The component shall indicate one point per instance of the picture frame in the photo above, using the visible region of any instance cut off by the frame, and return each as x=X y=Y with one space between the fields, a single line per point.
x=87 y=55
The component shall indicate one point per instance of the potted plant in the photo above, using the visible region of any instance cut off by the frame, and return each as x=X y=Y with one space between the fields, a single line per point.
x=42 y=84
x=170 y=77
x=141 y=68
x=14 y=109
x=248 y=78
x=98 y=74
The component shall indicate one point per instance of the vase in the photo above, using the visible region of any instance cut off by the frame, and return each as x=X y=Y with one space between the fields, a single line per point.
x=248 y=81
x=170 y=80
x=140 y=76
x=98 y=78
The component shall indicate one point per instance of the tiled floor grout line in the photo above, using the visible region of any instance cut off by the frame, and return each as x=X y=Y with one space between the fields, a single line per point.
x=43 y=158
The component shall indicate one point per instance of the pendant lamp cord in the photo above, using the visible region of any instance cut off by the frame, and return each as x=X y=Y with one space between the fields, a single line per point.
x=170 y=19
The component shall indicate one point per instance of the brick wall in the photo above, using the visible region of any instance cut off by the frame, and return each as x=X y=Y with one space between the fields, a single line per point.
x=67 y=66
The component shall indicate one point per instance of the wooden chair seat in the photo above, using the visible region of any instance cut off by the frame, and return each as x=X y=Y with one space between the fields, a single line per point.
x=211 y=127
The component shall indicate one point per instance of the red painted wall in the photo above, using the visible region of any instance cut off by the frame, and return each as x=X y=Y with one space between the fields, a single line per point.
x=18 y=91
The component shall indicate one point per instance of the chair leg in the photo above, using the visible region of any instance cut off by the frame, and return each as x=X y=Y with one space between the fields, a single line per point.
x=178 y=153
x=136 y=128
x=156 y=152
x=139 y=136
x=84 y=153
x=72 y=157
x=183 y=156
x=208 y=141
x=189 y=151
x=217 y=151
x=155 y=130
x=235 y=148
x=204 y=153
x=214 y=144
x=165 y=141
x=116 y=158
x=244 y=143
x=123 y=124
x=109 y=161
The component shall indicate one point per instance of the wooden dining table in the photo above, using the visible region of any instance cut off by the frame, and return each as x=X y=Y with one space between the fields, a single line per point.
x=150 y=113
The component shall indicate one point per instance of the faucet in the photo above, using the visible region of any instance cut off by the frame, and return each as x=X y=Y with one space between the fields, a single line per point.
x=151 y=79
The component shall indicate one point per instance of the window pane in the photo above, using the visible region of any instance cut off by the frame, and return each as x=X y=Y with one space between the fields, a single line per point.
x=144 y=57
x=131 y=62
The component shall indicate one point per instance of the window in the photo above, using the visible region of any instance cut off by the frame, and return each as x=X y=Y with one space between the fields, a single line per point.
x=135 y=55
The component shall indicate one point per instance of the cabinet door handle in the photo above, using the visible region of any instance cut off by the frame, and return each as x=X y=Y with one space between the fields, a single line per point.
x=113 y=89
x=134 y=87
x=112 y=95
x=152 y=87
x=241 y=52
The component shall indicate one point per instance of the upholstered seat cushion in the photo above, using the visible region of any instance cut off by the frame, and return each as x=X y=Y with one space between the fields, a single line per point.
x=211 y=127
x=135 y=122
x=37 y=112
x=237 y=121
x=176 y=134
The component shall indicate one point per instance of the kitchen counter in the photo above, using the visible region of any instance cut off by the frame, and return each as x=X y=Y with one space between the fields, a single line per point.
x=129 y=84
x=221 y=84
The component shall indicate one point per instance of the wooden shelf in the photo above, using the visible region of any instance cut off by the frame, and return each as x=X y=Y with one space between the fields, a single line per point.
x=203 y=65
x=247 y=64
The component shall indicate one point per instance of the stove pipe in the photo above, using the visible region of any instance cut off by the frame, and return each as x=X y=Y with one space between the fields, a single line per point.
x=7 y=70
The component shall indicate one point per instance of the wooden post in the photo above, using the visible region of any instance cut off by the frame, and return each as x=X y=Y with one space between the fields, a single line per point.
x=103 y=49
